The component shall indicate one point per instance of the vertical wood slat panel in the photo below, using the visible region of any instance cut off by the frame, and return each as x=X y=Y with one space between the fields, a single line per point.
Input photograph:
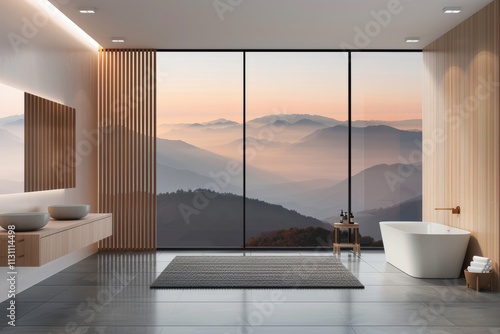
x=462 y=99
x=49 y=159
x=127 y=103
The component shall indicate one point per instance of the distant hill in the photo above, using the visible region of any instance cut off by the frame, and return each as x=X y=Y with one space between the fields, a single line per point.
x=308 y=122
x=323 y=153
x=202 y=135
x=410 y=210
x=220 y=122
x=408 y=124
x=170 y=179
x=16 y=123
x=371 y=189
x=281 y=122
x=324 y=148
x=293 y=118
x=368 y=137
x=11 y=119
x=219 y=221
x=293 y=237
x=182 y=163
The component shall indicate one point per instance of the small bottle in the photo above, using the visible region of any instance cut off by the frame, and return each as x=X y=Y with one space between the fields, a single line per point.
x=341 y=215
x=346 y=218
x=351 y=218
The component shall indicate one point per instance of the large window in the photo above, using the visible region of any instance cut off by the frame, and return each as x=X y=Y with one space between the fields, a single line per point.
x=254 y=147
x=297 y=146
x=386 y=146
x=199 y=160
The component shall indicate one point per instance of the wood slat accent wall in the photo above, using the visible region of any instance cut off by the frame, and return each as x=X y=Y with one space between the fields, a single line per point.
x=127 y=147
x=49 y=136
x=461 y=129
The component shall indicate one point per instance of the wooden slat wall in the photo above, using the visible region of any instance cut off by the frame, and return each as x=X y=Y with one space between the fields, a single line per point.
x=461 y=130
x=127 y=149
x=49 y=134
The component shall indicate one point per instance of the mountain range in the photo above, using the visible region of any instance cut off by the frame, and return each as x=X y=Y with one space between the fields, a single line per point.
x=407 y=124
x=284 y=127
x=297 y=162
x=184 y=166
x=410 y=210
x=371 y=189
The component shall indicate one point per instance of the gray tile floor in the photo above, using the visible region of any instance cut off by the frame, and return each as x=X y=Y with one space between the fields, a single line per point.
x=109 y=293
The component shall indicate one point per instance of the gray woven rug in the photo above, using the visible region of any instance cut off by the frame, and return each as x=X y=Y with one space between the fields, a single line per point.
x=256 y=272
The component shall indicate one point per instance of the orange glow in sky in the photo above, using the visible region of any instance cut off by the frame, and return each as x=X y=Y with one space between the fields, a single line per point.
x=203 y=86
x=386 y=85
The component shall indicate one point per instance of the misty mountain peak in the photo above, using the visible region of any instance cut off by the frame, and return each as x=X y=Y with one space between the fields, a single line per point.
x=281 y=122
x=308 y=122
x=220 y=121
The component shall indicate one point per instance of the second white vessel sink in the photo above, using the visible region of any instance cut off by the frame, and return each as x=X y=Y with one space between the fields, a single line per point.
x=69 y=211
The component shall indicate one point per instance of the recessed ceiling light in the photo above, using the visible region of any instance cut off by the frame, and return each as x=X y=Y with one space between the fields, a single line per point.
x=452 y=10
x=89 y=10
x=412 y=39
x=117 y=40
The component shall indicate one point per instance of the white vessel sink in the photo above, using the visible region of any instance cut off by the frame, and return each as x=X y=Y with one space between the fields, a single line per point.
x=69 y=211
x=24 y=221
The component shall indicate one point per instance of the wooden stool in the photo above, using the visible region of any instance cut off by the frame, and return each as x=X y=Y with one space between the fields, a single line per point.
x=478 y=281
x=337 y=245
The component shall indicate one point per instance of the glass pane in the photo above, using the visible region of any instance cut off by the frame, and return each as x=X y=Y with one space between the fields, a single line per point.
x=386 y=140
x=296 y=147
x=199 y=149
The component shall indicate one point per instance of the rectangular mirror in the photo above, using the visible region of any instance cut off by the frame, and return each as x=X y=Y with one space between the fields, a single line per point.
x=50 y=145
x=37 y=143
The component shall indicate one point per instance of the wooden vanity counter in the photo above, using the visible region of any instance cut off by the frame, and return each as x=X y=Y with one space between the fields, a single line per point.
x=56 y=239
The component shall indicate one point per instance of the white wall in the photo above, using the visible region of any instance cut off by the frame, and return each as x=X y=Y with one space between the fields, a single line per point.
x=37 y=55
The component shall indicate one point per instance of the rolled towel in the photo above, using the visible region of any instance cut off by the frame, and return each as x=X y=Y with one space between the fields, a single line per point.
x=481 y=265
x=476 y=270
x=486 y=260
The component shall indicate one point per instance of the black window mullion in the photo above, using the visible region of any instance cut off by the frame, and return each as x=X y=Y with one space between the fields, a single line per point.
x=349 y=140
x=244 y=150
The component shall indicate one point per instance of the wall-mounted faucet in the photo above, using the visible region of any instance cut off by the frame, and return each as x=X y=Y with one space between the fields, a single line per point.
x=455 y=211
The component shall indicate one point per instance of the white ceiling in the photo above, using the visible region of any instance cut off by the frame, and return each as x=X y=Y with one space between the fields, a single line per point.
x=18 y=30
x=265 y=24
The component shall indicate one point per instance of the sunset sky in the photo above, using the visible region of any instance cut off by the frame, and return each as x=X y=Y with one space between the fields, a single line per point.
x=203 y=86
x=386 y=85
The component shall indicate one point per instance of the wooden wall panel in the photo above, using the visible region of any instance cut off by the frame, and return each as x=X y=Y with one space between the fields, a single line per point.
x=127 y=149
x=461 y=129
x=49 y=158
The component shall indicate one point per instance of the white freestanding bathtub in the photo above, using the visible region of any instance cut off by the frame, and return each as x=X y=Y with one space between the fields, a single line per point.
x=425 y=250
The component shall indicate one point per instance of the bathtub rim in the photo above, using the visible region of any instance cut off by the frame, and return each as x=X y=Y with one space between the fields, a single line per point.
x=456 y=231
